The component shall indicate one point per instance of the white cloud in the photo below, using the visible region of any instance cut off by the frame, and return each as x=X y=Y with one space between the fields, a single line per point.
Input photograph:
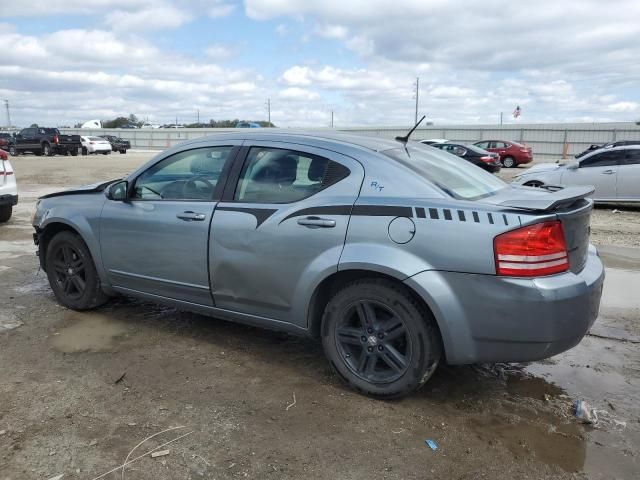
x=296 y=93
x=218 y=51
x=332 y=31
x=154 y=18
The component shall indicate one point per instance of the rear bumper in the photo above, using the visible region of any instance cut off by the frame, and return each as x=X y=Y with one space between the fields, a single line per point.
x=486 y=318
x=524 y=159
x=63 y=148
x=8 y=200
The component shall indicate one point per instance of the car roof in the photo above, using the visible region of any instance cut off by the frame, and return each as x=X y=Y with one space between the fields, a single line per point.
x=610 y=149
x=328 y=138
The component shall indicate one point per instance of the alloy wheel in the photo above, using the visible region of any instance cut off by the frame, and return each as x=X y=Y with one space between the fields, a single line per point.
x=69 y=271
x=374 y=342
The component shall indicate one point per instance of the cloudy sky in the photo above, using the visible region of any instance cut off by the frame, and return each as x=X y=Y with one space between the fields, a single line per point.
x=66 y=61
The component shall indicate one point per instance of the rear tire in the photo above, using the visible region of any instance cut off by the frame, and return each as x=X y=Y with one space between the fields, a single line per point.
x=123 y=152
x=5 y=213
x=74 y=153
x=72 y=273
x=509 y=162
x=84 y=151
x=106 y=153
x=46 y=150
x=380 y=339
x=13 y=151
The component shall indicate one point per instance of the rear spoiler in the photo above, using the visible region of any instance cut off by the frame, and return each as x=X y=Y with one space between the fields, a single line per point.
x=553 y=198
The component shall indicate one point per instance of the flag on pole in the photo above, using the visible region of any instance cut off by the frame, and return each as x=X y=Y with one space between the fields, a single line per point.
x=517 y=112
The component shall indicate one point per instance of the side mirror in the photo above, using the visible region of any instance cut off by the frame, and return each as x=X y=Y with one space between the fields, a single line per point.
x=573 y=165
x=117 y=191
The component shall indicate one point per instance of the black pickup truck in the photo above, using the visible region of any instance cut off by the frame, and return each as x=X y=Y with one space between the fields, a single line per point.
x=44 y=141
x=117 y=144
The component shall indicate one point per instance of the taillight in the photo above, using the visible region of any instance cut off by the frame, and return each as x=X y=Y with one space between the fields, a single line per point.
x=92 y=143
x=55 y=138
x=524 y=150
x=487 y=159
x=531 y=251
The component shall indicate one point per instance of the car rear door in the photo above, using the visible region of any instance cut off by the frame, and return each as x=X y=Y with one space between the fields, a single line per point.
x=599 y=170
x=156 y=242
x=280 y=227
x=628 y=184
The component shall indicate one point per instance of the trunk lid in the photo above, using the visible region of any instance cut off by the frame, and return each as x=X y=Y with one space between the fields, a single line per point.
x=570 y=205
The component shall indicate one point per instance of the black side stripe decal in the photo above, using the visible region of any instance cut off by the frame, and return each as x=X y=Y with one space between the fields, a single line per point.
x=261 y=214
x=461 y=216
x=420 y=212
x=433 y=213
x=382 y=211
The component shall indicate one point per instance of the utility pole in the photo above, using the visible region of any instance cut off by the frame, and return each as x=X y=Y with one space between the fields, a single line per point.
x=331 y=118
x=198 y=110
x=417 y=95
x=269 y=110
x=500 y=118
x=6 y=104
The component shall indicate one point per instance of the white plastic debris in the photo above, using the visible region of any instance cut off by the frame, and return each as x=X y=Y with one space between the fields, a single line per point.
x=585 y=413
x=160 y=453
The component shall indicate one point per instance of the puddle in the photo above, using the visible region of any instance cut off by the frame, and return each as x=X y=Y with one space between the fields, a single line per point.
x=89 y=332
x=620 y=257
x=8 y=322
x=532 y=387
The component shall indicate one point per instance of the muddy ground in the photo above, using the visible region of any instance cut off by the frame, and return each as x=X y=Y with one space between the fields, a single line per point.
x=78 y=391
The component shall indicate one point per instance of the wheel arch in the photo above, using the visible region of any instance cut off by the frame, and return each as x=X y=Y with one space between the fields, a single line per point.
x=55 y=225
x=334 y=282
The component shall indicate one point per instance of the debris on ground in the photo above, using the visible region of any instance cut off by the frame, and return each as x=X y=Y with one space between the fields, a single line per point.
x=57 y=477
x=120 y=378
x=291 y=404
x=585 y=413
x=431 y=444
x=9 y=323
x=160 y=453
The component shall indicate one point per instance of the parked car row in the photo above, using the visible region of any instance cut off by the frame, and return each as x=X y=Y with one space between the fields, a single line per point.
x=49 y=142
x=510 y=154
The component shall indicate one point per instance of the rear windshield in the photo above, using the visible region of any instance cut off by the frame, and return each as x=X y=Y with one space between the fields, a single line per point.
x=453 y=175
x=98 y=139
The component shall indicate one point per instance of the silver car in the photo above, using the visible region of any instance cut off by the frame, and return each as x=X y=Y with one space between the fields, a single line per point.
x=396 y=255
x=614 y=172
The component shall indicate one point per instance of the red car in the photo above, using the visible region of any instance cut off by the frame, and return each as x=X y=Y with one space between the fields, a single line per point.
x=511 y=154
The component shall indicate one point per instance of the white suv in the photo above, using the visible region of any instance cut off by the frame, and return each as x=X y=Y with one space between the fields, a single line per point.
x=8 y=188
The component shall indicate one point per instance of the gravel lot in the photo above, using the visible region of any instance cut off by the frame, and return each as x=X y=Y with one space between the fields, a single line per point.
x=66 y=408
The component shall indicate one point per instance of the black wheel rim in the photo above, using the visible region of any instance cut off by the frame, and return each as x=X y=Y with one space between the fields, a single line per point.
x=69 y=271
x=374 y=342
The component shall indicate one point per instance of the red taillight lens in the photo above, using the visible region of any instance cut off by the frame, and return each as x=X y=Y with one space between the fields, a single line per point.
x=487 y=159
x=92 y=143
x=531 y=251
x=55 y=139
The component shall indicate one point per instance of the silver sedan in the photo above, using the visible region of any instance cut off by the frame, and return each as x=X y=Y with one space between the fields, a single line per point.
x=614 y=172
x=396 y=255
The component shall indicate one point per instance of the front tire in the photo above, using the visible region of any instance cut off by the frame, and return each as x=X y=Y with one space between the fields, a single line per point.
x=13 y=151
x=508 y=162
x=380 y=339
x=5 y=213
x=72 y=273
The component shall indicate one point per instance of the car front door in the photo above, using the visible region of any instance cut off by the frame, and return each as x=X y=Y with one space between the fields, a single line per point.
x=156 y=241
x=26 y=138
x=599 y=170
x=280 y=227
x=629 y=176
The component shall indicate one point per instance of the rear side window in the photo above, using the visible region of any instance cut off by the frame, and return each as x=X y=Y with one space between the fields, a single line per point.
x=484 y=145
x=454 y=176
x=604 y=159
x=274 y=175
x=633 y=157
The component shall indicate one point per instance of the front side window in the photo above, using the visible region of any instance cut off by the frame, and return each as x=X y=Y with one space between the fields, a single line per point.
x=604 y=159
x=274 y=175
x=189 y=175
x=454 y=176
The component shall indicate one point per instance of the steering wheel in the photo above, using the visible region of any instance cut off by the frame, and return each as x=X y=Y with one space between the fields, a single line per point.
x=190 y=187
